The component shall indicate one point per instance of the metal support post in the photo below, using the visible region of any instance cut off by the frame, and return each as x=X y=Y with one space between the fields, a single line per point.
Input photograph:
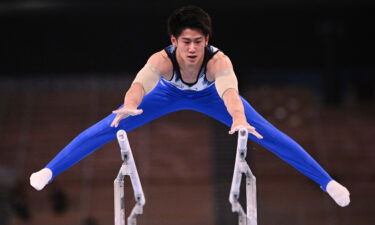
x=128 y=168
x=242 y=168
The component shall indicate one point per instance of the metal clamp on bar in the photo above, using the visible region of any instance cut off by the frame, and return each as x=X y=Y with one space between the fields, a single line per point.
x=242 y=168
x=128 y=168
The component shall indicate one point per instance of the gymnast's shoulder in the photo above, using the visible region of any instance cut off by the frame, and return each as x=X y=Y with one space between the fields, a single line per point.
x=217 y=64
x=162 y=63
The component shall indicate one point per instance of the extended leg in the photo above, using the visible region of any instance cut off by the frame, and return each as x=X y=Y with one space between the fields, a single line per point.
x=274 y=140
x=157 y=103
x=291 y=152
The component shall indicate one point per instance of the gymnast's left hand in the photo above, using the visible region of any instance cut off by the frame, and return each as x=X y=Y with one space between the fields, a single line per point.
x=123 y=113
x=238 y=124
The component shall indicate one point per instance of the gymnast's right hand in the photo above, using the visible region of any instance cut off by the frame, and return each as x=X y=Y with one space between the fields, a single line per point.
x=123 y=113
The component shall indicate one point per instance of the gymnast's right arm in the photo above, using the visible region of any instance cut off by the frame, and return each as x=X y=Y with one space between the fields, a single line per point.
x=144 y=82
x=95 y=137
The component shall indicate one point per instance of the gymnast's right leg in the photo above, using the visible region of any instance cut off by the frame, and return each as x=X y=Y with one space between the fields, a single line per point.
x=155 y=104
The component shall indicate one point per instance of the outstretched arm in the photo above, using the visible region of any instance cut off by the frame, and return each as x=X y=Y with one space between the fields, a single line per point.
x=226 y=83
x=145 y=81
x=235 y=108
x=221 y=70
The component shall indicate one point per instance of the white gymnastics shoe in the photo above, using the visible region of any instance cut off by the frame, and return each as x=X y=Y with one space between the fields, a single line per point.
x=339 y=193
x=41 y=178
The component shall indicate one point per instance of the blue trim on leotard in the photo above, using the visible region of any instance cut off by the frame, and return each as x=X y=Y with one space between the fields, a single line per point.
x=164 y=99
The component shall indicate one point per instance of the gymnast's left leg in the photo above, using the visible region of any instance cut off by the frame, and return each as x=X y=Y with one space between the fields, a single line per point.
x=280 y=144
x=291 y=152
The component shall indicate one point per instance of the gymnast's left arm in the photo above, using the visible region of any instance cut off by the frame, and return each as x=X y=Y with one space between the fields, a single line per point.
x=226 y=84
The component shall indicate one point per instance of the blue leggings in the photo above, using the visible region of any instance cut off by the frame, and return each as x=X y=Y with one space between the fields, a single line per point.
x=164 y=99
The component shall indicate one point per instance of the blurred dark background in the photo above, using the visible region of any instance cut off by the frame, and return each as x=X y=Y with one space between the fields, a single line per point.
x=307 y=66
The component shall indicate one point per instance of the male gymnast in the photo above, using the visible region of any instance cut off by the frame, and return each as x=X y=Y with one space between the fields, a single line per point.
x=189 y=74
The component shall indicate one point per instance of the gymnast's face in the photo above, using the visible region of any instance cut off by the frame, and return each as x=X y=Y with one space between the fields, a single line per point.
x=190 y=46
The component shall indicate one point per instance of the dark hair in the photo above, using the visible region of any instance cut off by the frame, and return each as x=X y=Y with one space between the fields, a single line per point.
x=191 y=17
